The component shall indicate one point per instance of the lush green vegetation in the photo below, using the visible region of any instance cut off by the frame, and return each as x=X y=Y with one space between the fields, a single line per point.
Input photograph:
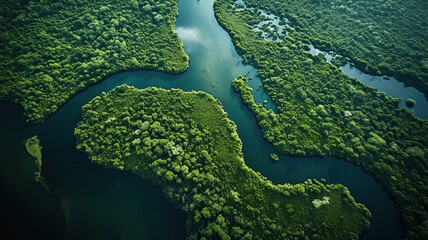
x=410 y=103
x=379 y=36
x=34 y=149
x=184 y=142
x=321 y=111
x=274 y=156
x=51 y=50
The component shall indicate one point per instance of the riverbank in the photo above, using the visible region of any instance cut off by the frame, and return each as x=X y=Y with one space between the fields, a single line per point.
x=184 y=142
x=323 y=112
x=374 y=36
x=389 y=85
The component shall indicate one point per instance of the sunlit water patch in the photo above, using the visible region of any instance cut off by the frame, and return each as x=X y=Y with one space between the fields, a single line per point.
x=187 y=34
x=315 y=51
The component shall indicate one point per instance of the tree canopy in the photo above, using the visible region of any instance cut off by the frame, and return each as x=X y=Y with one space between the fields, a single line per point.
x=387 y=37
x=52 y=50
x=184 y=142
x=323 y=112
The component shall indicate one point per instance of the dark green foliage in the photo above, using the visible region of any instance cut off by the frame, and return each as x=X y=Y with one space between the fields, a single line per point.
x=321 y=111
x=410 y=103
x=184 y=142
x=379 y=36
x=51 y=50
x=34 y=149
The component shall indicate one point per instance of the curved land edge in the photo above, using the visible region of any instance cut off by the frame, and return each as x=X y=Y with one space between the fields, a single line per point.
x=321 y=112
x=184 y=143
x=51 y=52
x=374 y=35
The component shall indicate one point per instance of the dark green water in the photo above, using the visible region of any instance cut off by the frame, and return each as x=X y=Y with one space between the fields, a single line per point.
x=108 y=204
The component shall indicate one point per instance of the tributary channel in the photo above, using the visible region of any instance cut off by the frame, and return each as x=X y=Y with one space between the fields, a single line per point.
x=108 y=204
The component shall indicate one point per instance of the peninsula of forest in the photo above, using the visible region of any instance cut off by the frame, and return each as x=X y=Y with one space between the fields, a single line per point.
x=184 y=143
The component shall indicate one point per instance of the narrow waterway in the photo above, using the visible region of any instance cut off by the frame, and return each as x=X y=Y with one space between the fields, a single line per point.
x=389 y=85
x=108 y=204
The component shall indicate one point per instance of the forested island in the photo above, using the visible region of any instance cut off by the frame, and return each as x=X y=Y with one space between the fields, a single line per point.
x=52 y=50
x=184 y=142
x=323 y=112
x=34 y=149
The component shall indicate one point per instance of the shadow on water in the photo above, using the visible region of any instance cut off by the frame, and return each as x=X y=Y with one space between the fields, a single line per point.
x=112 y=204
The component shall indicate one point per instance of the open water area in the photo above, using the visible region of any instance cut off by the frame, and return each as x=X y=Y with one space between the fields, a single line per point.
x=90 y=202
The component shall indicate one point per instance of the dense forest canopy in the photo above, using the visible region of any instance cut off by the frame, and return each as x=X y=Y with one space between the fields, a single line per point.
x=323 y=112
x=184 y=142
x=387 y=37
x=52 y=49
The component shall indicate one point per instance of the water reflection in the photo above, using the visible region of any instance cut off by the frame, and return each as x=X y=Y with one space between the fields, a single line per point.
x=188 y=35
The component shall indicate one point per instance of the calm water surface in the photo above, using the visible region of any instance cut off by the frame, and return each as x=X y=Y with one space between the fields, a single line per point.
x=108 y=204
x=388 y=85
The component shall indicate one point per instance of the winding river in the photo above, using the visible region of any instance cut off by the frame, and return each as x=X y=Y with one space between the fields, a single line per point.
x=107 y=204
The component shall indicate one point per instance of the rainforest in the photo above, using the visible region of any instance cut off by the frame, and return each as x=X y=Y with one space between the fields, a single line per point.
x=214 y=119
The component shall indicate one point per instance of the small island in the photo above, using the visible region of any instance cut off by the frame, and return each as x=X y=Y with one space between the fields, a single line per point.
x=32 y=145
x=410 y=103
x=185 y=143
x=274 y=157
x=34 y=149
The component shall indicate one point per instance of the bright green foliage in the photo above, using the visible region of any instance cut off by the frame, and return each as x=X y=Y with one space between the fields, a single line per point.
x=184 y=142
x=379 y=36
x=320 y=202
x=321 y=111
x=274 y=156
x=51 y=50
x=32 y=145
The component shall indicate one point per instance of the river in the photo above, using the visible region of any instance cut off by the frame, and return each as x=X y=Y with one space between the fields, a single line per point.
x=108 y=204
x=388 y=85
